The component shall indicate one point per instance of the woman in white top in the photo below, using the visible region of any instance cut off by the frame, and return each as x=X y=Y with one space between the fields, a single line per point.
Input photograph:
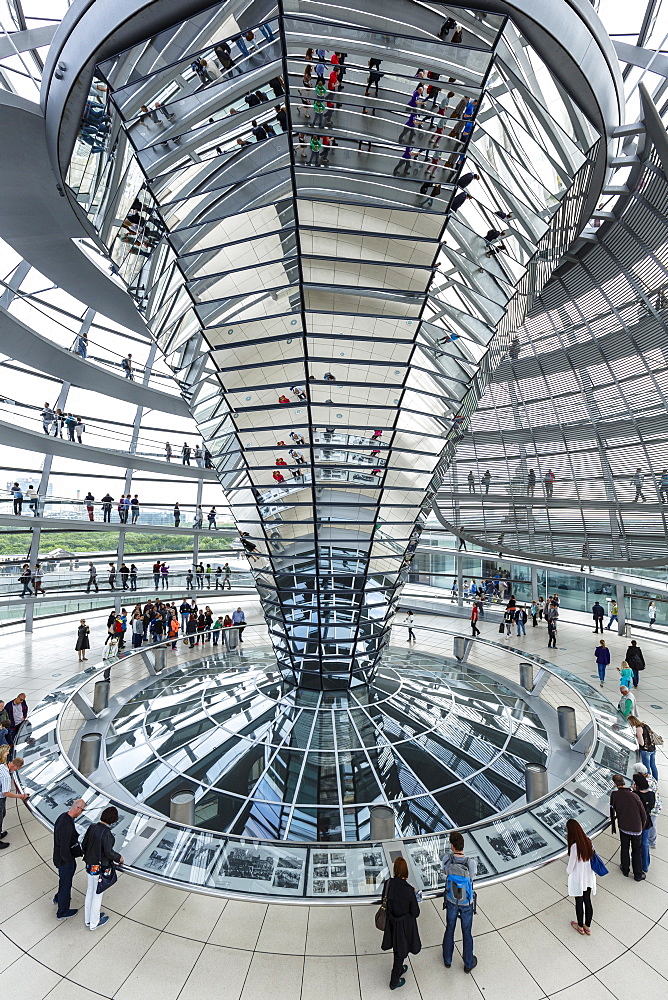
x=581 y=877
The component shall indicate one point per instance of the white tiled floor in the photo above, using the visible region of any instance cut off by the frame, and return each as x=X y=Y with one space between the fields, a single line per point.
x=164 y=944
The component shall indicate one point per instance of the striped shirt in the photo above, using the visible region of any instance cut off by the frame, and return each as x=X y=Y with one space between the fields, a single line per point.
x=5 y=780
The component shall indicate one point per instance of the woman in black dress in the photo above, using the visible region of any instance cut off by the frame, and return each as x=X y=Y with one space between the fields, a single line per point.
x=82 y=643
x=401 y=931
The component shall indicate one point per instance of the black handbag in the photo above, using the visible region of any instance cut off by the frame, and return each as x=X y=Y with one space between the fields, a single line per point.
x=106 y=878
x=381 y=913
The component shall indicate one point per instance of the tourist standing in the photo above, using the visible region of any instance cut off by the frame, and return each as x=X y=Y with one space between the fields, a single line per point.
x=66 y=849
x=597 y=613
x=83 y=642
x=99 y=856
x=581 y=875
x=6 y=771
x=627 y=810
x=636 y=661
x=459 y=901
x=401 y=930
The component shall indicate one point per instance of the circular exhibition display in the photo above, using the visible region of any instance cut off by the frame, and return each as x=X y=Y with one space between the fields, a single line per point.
x=229 y=779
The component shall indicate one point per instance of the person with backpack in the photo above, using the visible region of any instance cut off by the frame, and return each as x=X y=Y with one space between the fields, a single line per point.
x=126 y=365
x=459 y=901
x=635 y=660
x=401 y=930
x=658 y=805
x=648 y=741
x=581 y=875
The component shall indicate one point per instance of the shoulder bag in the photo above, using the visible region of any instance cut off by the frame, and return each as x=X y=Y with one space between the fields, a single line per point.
x=108 y=876
x=597 y=865
x=381 y=913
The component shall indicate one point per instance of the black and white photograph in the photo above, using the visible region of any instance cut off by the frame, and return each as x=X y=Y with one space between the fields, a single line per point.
x=287 y=878
x=515 y=838
x=259 y=869
x=373 y=859
x=337 y=886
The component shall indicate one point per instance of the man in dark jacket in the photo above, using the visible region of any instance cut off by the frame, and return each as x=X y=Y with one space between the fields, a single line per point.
x=635 y=660
x=66 y=849
x=627 y=810
x=597 y=613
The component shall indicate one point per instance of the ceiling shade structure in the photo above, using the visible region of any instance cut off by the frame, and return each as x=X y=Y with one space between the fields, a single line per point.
x=332 y=222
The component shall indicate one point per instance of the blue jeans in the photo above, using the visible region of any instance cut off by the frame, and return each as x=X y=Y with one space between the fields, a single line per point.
x=613 y=618
x=521 y=629
x=601 y=672
x=465 y=914
x=645 y=850
x=648 y=757
x=64 y=894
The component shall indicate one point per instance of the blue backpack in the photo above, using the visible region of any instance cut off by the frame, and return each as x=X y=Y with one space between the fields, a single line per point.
x=458 y=882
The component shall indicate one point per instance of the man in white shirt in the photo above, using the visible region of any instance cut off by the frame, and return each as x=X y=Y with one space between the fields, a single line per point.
x=6 y=792
x=409 y=620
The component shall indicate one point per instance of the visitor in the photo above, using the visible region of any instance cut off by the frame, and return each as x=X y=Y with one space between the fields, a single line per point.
x=638 y=481
x=217 y=626
x=17 y=494
x=521 y=620
x=177 y=515
x=66 y=849
x=168 y=451
x=508 y=619
x=475 y=614
x=651 y=613
x=6 y=771
x=89 y=500
x=627 y=810
x=636 y=661
x=99 y=857
x=164 y=576
x=647 y=743
x=551 y=633
x=92 y=579
x=648 y=799
x=83 y=642
x=459 y=901
x=627 y=702
x=640 y=768
x=107 y=501
x=239 y=618
x=211 y=518
x=402 y=911
x=602 y=654
x=581 y=875
x=597 y=613
x=133 y=576
x=124 y=573
x=614 y=615
x=137 y=630
x=410 y=621
x=17 y=711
